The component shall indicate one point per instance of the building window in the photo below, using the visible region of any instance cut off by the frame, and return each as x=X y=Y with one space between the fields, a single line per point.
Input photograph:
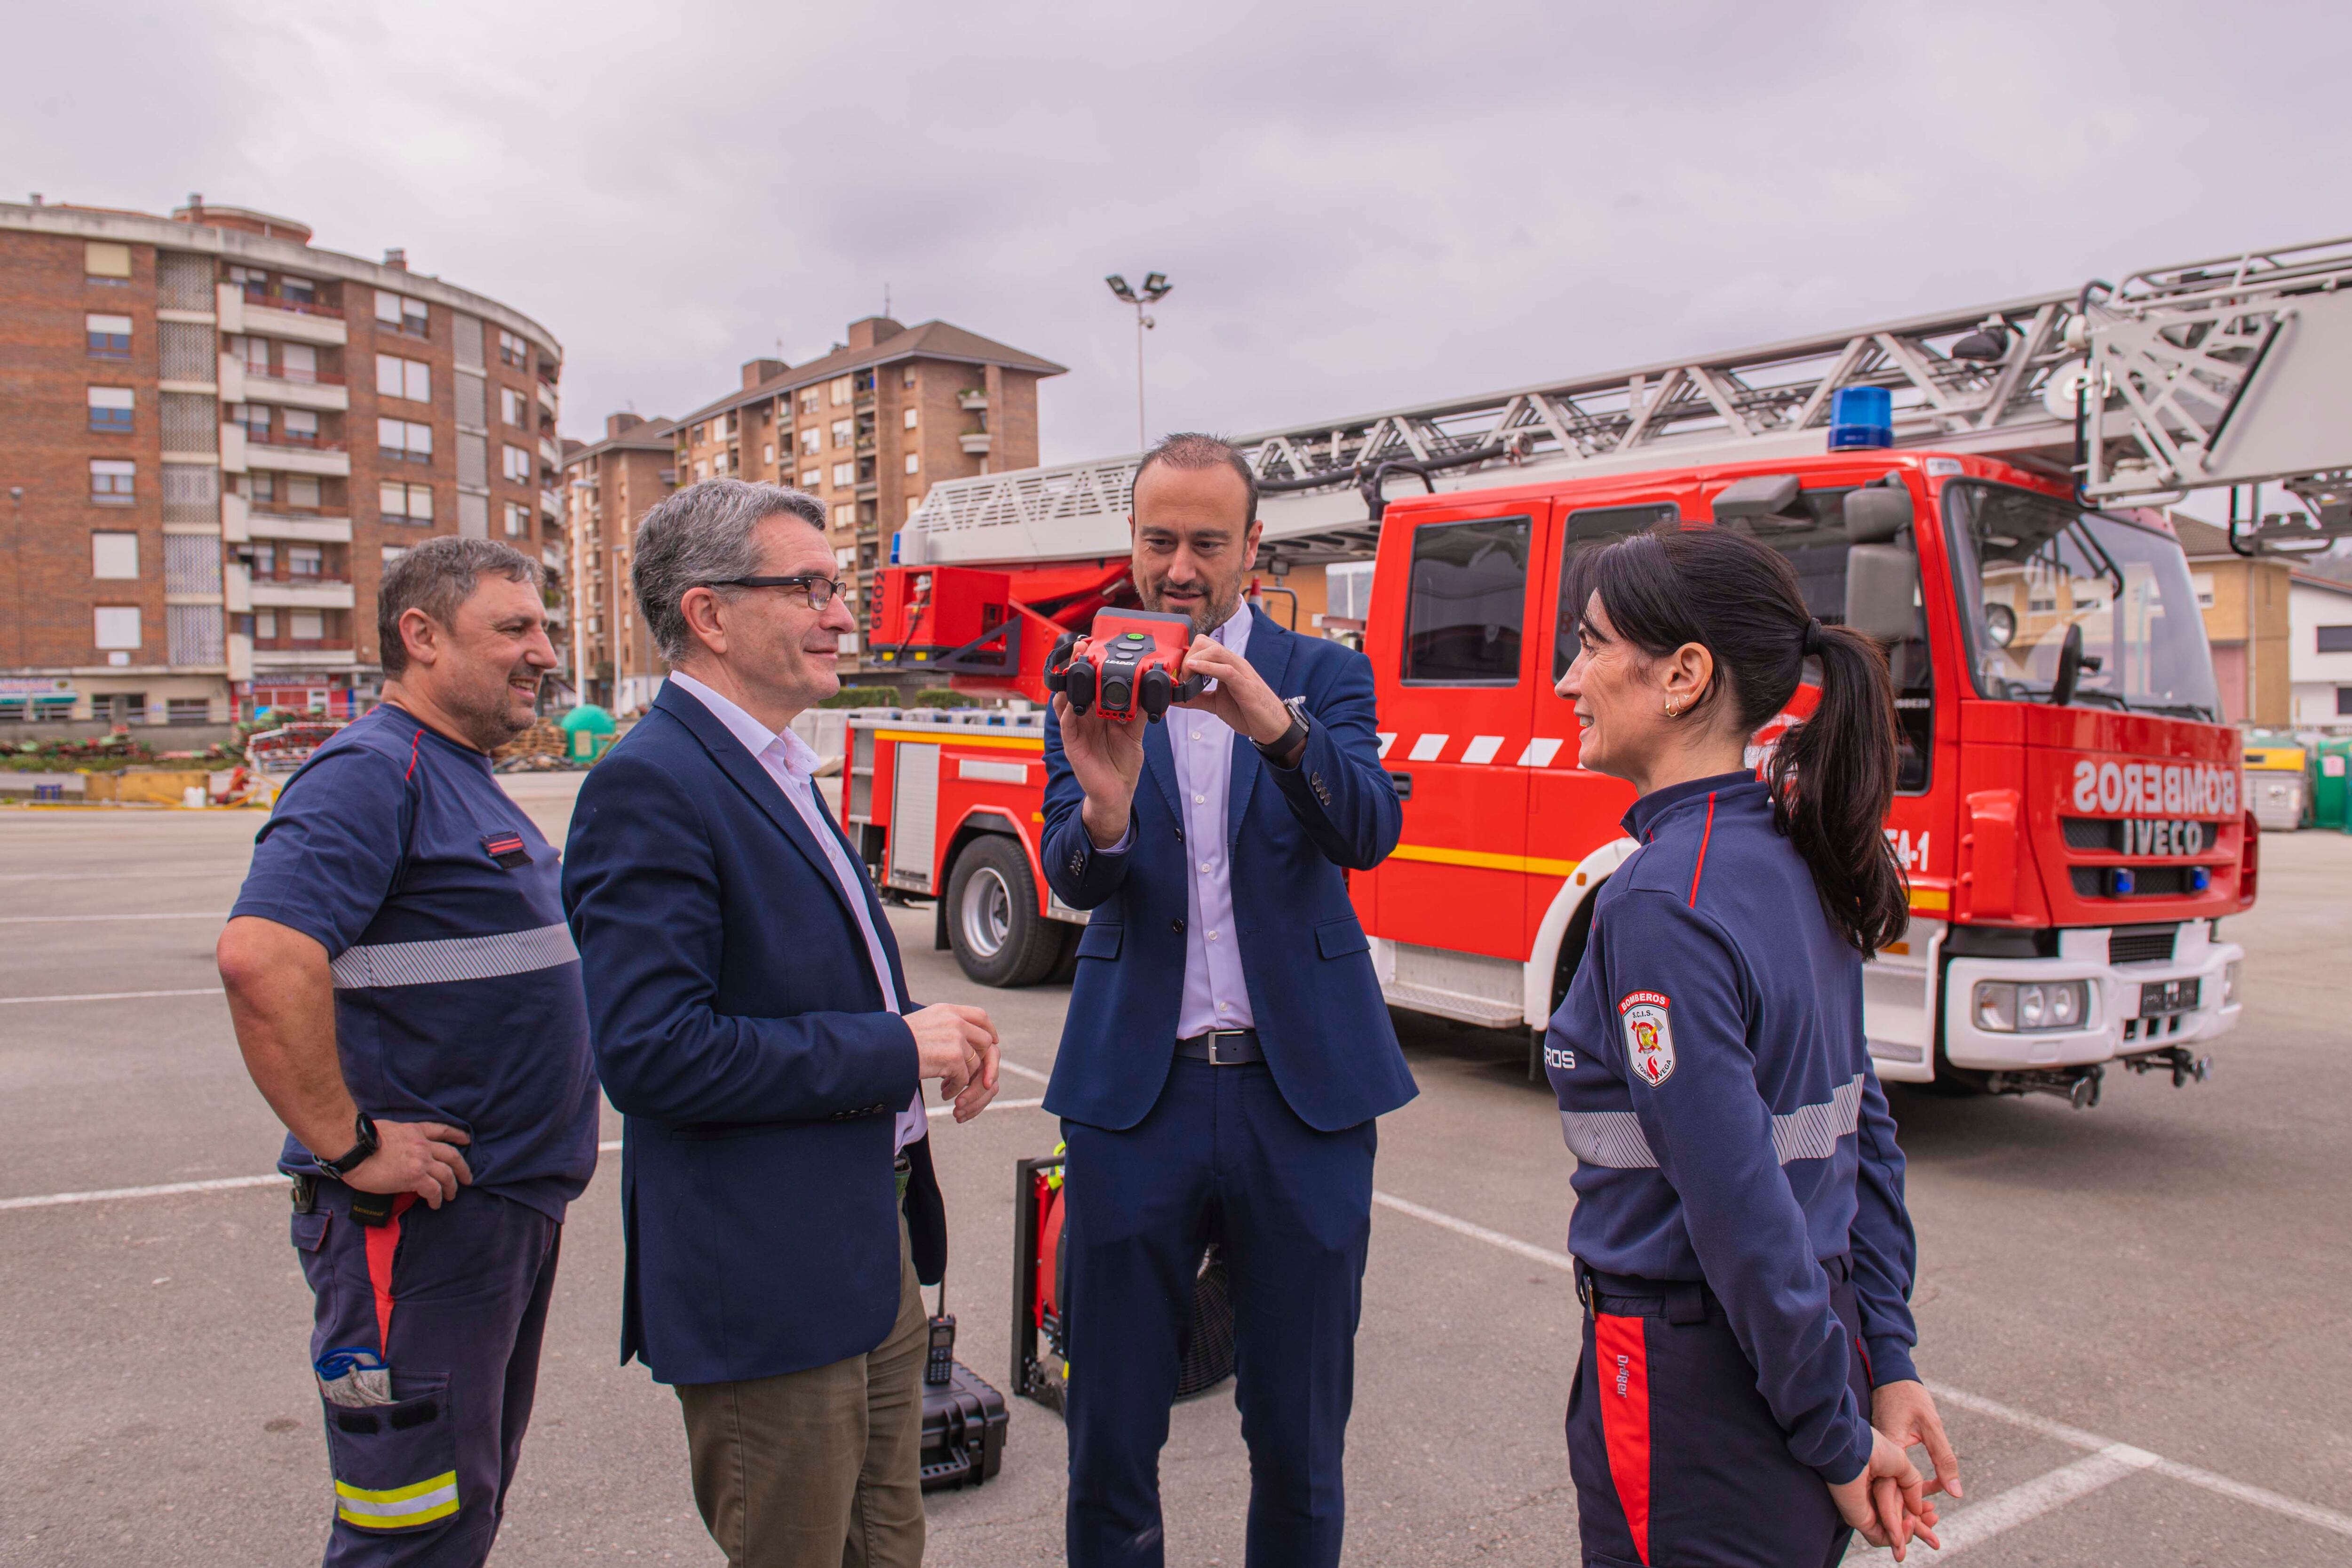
x=408 y=378
x=264 y=559
x=811 y=441
x=297 y=291
x=187 y=710
x=265 y=625
x=114 y=555
x=2344 y=701
x=110 y=481
x=307 y=626
x=253 y=417
x=402 y=440
x=392 y=552
x=105 y=263
x=2334 y=639
x=300 y=427
x=517 y=461
x=402 y=502
x=259 y=487
x=808 y=399
x=845 y=474
x=110 y=409
x=116 y=628
x=911 y=418
x=297 y=362
x=511 y=351
x=305 y=560
x=110 y=336
x=812 y=477
x=914 y=464
x=846 y=515
x=518 y=519
x=768 y=453
x=841 y=391
x=302 y=491
x=702 y=469
x=252 y=280
x=399 y=313
x=512 y=404
x=843 y=433
x=907 y=376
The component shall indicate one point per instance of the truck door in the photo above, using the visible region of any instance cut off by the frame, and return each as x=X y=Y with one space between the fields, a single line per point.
x=1453 y=727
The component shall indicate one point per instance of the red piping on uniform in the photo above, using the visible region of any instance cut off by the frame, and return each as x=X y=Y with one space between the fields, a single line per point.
x=382 y=1242
x=1708 y=833
x=415 y=740
x=1624 y=1372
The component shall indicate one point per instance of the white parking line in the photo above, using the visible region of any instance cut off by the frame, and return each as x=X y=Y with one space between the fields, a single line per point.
x=1017 y=1071
x=2109 y=1460
x=165 y=1190
x=109 y=997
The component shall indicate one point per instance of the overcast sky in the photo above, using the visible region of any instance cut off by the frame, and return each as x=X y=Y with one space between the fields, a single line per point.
x=1359 y=205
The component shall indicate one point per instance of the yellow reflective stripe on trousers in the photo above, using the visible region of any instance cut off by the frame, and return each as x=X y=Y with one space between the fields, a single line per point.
x=399 y=1508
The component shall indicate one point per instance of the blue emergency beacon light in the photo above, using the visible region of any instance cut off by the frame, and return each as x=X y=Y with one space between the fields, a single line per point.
x=1862 y=417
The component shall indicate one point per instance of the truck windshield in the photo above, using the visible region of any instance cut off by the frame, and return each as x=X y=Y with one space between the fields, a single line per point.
x=2028 y=566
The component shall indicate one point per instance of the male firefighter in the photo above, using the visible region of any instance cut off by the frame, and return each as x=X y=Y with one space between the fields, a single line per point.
x=408 y=1000
x=1227 y=1049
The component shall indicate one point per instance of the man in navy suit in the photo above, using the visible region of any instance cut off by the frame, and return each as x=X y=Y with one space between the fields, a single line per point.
x=751 y=1020
x=1227 y=1048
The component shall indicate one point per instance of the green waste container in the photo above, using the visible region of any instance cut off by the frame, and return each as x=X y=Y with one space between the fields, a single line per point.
x=588 y=730
x=2331 y=790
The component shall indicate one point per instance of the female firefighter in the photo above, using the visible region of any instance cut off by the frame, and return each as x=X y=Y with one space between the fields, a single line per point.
x=1746 y=1393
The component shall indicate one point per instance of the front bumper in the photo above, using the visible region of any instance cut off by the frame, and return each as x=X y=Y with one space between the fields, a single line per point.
x=2115 y=1027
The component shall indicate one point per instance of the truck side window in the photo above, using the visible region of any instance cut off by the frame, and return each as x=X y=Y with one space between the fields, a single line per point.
x=1468 y=603
x=1915 y=714
x=1594 y=525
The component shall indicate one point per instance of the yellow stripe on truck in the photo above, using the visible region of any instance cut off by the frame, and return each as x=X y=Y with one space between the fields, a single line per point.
x=1526 y=865
x=964 y=738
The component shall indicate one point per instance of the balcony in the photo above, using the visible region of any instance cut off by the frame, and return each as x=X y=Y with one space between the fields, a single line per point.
x=287 y=654
x=309 y=530
x=280 y=318
x=974 y=442
x=550 y=504
x=300 y=594
x=296 y=388
x=972 y=399
x=275 y=451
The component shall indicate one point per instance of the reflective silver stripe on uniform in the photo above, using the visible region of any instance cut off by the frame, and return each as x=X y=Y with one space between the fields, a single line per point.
x=1611 y=1139
x=454 y=958
x=1614 y=1141
x=1812 y=1131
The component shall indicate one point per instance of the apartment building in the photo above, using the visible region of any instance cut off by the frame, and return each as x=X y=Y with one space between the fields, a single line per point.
x=610 y=485
x=2244 y=601
x=218 y=434
x=869 y=428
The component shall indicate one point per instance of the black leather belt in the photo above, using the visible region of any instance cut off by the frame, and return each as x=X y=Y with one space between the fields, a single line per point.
x=1223 y=1047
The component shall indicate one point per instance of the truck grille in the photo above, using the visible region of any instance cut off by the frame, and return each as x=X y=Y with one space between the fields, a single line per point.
x=2108 y=833
x=2148 y=881
x=2141 y=944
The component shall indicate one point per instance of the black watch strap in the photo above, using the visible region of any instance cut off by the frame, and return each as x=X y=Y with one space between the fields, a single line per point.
x=1288 y=743
x=358 y=1153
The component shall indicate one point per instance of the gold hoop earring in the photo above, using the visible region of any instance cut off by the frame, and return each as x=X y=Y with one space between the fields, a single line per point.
x=1672 y=712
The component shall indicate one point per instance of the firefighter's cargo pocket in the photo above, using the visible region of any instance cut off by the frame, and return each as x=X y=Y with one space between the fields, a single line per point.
x=395 y=1465
x=1337 y=939
x=310 y=1230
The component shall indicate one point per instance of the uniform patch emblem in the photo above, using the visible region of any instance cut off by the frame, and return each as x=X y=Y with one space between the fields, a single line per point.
x=1649 y=1038
x=508 y=849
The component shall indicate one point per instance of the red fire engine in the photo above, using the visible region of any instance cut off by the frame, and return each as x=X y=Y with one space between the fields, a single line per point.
x=2069 y=808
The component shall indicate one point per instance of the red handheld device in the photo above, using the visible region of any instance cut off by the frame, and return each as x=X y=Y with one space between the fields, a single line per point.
x=1131 y=662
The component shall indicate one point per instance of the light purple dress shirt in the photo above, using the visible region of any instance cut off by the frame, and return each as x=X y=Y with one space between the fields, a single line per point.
x=793 y=764
x=1217 y=995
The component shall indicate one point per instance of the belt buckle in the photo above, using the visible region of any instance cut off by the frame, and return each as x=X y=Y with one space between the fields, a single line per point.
x=1215 y=1035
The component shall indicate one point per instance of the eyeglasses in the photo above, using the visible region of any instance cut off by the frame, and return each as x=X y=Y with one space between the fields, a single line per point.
x=820 y=591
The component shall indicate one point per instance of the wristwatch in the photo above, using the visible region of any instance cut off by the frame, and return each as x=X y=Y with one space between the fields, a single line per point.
x=1292 y=742
x=358 y=1153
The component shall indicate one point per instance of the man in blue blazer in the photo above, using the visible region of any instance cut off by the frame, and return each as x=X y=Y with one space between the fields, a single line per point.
x=1227 y=1048
x=750 y=1021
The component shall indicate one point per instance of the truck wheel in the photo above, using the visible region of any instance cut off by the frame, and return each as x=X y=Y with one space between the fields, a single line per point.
x=999 y=937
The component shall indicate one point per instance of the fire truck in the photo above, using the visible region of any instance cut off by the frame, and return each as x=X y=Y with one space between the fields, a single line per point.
x=1980 y=489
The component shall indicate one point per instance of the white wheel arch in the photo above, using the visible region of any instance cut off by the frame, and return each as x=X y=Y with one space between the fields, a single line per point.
x=1581 y=884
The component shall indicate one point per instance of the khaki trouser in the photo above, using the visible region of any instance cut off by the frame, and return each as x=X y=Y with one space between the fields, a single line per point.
x=819 y=1468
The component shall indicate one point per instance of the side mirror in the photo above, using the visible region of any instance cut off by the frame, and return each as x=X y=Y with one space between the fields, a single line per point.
x=1877 y=513
x=1882 y=590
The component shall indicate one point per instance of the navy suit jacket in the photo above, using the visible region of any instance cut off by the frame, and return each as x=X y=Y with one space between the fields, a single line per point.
x=739 y=1028
x=1320 y=1018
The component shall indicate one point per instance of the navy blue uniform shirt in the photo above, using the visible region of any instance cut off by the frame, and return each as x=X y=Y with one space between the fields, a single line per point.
x=1717 y=1089
x=457 y=992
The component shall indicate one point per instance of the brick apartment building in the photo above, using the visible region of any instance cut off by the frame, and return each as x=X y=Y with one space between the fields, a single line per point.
x=869 y=428
x=216 y=434
x=612 y=484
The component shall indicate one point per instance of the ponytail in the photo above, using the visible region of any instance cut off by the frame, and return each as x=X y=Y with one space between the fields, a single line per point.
x=1831 y=777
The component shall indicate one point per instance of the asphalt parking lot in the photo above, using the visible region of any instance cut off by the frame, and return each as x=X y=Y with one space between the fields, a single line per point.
x=2138 y=1312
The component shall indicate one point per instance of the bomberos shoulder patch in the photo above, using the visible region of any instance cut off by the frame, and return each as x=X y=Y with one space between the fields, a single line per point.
x=1649 y=1037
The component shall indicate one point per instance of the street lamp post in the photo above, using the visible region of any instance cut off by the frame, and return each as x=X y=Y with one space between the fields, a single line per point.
x=1155 y=288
